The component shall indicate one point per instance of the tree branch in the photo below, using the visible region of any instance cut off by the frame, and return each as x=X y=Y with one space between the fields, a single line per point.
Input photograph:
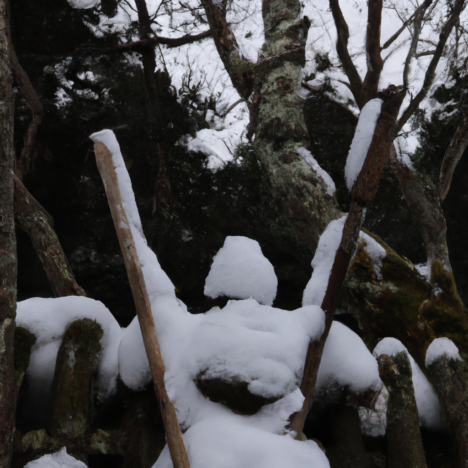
x=374 y=60
x=430 y=73
x=342 y=49
x=452 y=156
x=35 y=105
x=239 y=68
x=418 y=17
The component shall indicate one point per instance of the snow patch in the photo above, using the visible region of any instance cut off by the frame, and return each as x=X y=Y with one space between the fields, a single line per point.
x=312 y=162
x=241 y=271
x=430 y=412
x=59 y=459
x=442 y=347
x=362 y=140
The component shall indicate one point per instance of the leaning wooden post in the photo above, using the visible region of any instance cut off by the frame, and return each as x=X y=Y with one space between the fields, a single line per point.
x=143 y=308
x=362 y=194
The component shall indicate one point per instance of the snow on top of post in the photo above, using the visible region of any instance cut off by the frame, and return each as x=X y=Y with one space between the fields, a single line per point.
x=59 y=459
x=312 y=162
x=442 y=347
x=240 y=270
x=82 y=4
x=362 y=140
x=429 y=409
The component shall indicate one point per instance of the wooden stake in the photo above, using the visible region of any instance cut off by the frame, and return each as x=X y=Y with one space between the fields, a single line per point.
x=140 y=296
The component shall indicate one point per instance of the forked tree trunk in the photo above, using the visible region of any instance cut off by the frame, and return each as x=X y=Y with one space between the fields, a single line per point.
x=8 y=259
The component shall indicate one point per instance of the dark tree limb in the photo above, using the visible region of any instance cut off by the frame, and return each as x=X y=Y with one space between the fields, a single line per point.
x=452 y=156
x=240 y=70
x=374 y=60
x=423 y=201
x=343 y=53
x=35 y=105
x=417 y=26
x=363 y=192
x=430 y=72
x=8 y=258
x=32 y=218
x=404 y=443
x=450 y=379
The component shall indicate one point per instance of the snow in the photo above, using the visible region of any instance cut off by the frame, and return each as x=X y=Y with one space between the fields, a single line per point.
x=325 y=255
x=312 y=162
x=362 y=140
x=228 y=442
x=430 y=412
x=48 y=319
x=264 y=346
x=442 y=347
x=83 y=4
x=347 y=361
x=240 y=271
x=59 y=459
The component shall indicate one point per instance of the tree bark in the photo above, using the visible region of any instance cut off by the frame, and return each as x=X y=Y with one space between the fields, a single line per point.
x=363 y=192
x=8 y=258
x=404 y=443
x=140 y=296
x=450 y=379
x=32 y=218
x=423 y=202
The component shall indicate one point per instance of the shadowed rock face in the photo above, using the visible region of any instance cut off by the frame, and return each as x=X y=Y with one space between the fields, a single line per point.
x=233 y=393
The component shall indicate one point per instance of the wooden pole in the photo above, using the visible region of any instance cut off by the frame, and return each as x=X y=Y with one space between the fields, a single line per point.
x=143 y=308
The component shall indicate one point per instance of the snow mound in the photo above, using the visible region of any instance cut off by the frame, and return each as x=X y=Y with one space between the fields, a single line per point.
x=48 y=319
x=225 y=442
x=430 y=412
x=240 y=271
x=440 y=347
x=312 y=162
x=82 y=4
x=59 y=459
x=362 y=140
x=324 y=257
x=347 y=361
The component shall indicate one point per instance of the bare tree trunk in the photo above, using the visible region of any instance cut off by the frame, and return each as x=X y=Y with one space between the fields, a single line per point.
x=363 y=192
x=404 y=443
x=140 y=296
x=450 y=379
x=423 y=202
x=8 y=259
x=32 y=218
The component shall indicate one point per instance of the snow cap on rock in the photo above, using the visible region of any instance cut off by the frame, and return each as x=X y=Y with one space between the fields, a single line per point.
x=241 y=271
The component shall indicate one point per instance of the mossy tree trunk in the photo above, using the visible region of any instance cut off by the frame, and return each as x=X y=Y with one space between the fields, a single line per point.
x=8 y=258
x=450 y=379
x=404 y=443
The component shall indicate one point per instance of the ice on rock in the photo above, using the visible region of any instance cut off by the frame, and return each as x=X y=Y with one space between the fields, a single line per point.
x=59 y=459
x=325 y=255
x=440 y=347
x=429 y=409
x=48 y=319
x=241 y=271
x=362 y=140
